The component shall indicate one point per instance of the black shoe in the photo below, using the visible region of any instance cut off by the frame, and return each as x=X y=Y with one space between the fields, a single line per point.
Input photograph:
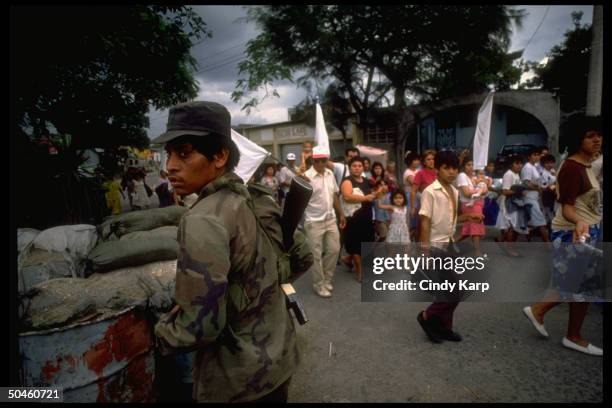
x=428 y=328
x=450 y=335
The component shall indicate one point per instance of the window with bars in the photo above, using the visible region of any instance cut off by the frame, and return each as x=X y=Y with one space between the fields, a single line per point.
x=380 y=135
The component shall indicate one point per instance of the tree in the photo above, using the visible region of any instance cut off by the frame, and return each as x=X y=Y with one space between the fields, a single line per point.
x=416 y=52
x=94 y=71
x=566 y=71
x=85 y=76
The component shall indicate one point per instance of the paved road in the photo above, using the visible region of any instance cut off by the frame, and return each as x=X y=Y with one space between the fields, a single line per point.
x=380 y=354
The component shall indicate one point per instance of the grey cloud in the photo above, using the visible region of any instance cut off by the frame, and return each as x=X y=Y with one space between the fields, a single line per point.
x=219 y=70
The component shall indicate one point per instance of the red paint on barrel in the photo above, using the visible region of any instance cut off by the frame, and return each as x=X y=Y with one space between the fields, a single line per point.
x=135 y=384
x=49 y=370
x=72 y=362
x=122 y=341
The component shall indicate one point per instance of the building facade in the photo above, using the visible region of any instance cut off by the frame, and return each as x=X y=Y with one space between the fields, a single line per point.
x=287 y=137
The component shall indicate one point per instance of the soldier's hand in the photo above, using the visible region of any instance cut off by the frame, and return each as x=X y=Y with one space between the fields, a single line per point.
x=304 y=177
x=342 y=222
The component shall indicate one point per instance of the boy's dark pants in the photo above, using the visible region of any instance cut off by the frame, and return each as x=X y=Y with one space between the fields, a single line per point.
x=443 y=311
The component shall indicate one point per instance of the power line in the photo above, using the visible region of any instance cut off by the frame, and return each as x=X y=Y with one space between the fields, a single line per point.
x=237 y=58
x=204 y=68
x=536 y=30
x=224 y=51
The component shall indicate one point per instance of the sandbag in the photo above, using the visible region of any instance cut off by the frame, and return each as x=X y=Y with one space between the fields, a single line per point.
x=25 y=236
x=37 y=266
x=63 y=301
x=145 y=220
x=169 y=232
x=76 y=240
x=121 y=254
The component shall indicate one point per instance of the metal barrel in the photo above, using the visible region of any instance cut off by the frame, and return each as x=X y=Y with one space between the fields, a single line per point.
x=111 y=359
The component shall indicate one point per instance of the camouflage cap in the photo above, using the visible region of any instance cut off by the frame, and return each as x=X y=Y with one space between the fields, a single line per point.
x=198 y=118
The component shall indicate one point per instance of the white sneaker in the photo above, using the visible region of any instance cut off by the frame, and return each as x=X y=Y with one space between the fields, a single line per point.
x=328 y=286
x=590 y=349
x=539 y=327
x=321 y=291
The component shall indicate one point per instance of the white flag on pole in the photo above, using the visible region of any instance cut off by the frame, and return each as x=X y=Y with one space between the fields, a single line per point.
x=321 y=137
x=483 y=132
x=374 y=154
x=251 y=156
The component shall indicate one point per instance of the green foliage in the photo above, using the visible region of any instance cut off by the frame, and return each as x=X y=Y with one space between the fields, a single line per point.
x=567 y=69
x=423 y=51
x=89 y=73
x=93 y=71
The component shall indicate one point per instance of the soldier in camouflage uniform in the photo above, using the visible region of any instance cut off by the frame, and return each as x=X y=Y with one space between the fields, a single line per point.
x=230 y=307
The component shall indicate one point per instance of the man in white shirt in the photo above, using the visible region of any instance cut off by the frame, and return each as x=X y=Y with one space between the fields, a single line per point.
x=320 y=222
x=341 y=170
x=530 y=176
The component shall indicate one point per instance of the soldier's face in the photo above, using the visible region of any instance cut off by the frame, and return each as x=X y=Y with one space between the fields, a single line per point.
x=189 y=170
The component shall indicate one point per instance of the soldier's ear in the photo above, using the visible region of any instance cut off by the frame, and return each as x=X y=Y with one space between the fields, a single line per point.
x=220 y=159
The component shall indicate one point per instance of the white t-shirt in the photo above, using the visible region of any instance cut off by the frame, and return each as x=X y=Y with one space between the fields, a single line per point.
x=285 y=175
x=339 y=170
x=407 y=184
x=461 y=181
x=531 y=173
x=141 y=198
x=321 y=204
x=547 y=179
x=510 y=178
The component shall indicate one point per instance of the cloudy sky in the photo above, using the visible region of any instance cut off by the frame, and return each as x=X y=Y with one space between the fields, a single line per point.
x=219 y=56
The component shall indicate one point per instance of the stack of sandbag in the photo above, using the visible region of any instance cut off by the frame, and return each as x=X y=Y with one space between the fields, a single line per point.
x=133 y=249
x=115 y=227
x=136 y=238
x=25 y=236
x=55 y=252
x=37 y=266
x=64 y=301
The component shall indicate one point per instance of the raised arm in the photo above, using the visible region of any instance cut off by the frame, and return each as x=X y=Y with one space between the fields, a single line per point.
x=347 y=193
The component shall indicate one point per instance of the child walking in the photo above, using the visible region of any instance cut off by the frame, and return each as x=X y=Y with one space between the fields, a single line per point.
x=398 y=229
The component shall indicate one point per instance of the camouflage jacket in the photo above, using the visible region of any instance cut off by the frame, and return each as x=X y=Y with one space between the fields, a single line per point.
x=232 y=309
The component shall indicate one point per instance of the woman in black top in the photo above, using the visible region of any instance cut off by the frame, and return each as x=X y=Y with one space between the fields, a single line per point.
x=356 y=190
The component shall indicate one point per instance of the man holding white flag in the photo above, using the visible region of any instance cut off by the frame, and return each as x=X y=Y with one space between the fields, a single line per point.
x=483 y=132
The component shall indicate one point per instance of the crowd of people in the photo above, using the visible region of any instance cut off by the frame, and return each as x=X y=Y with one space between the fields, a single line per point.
x=133 y=187
x=355 y=201
x=231 y=303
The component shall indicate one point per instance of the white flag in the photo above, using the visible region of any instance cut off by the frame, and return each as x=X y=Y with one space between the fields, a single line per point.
x=321 y=137
x=251 y=156
x=374 y=154
x=483 y=131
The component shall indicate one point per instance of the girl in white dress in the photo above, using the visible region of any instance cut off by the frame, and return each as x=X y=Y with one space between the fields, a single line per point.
x=398 y=229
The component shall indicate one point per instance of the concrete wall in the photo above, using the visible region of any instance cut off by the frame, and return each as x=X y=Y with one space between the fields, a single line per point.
x=542 y=105
x=280 y=138
x=464 y=135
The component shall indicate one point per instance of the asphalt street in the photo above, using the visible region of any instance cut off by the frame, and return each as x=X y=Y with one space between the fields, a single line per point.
x=379 y=353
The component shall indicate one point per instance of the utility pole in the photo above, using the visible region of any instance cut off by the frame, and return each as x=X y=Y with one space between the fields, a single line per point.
x=595 y=84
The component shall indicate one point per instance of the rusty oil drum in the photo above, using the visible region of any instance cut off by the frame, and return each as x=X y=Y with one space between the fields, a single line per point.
x=111 y=359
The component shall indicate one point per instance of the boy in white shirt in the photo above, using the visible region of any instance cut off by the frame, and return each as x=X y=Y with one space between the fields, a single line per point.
x=548 y=181
x=531 y=179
